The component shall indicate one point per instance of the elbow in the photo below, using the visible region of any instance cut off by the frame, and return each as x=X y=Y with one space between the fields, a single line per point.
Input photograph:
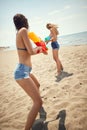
x=31 y=52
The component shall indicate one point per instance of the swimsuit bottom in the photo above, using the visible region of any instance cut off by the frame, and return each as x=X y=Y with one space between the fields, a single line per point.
x=22 y=72
x=55 y=45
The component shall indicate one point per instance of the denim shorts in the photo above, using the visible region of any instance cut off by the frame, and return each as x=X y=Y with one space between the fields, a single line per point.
x=55 y=45
x=22 y=72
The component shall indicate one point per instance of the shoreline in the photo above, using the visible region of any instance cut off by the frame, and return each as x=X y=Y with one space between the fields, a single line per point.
x=8 y=48
x=4 y=48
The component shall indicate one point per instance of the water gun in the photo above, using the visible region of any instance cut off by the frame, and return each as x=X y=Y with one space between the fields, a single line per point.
x=38 y=41
x=47 y=38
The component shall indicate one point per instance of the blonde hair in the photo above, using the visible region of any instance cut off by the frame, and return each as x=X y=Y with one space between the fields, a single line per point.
x=54 y=26
x=50 y=25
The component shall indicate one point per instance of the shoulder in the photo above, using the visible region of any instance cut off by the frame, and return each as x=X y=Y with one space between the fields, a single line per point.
x=52 y=30
x=55 y=31
x=22 y=30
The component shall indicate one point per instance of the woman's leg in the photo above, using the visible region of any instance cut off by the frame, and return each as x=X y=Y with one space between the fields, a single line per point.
x=42 y=112
x=30 y=88
x=35 y=80
x=56 y=58
x=61 y=65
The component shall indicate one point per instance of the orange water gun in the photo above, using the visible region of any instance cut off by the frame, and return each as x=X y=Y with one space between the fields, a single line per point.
x=38 y=41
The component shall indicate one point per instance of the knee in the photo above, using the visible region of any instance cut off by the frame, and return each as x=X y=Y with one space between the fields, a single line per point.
x=54 y=59
x=38 y=103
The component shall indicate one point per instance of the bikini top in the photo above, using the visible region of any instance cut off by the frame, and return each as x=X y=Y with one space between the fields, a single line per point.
x=23 y=49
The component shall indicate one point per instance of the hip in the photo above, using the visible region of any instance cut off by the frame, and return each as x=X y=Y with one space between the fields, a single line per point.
x=22 y=71
x=55 y=45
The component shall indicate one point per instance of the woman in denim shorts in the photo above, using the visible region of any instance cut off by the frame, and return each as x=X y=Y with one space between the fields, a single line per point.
x=55 y=45
x=22 y=73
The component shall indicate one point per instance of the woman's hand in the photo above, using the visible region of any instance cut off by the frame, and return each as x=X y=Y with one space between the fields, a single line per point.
x=40 y=50
x=46 y=42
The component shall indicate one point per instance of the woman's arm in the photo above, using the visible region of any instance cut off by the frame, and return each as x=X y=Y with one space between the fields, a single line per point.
x=27 y=43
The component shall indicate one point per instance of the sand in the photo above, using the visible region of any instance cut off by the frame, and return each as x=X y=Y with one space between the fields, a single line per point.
x=66 y=93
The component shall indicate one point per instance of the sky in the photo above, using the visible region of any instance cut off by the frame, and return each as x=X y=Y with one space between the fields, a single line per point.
x=69 y=15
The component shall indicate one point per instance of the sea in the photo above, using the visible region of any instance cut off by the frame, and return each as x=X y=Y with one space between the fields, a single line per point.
x=66 y=40
x=74 y=39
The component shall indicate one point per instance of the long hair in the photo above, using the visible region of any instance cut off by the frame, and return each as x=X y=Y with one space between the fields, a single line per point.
x=52 y=26
x=20 y=21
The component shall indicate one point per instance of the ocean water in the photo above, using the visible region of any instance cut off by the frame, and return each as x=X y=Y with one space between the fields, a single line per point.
x=66 y=40
x=74 y=39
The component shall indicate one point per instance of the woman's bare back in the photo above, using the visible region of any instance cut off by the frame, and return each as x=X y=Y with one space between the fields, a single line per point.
x=24 y=56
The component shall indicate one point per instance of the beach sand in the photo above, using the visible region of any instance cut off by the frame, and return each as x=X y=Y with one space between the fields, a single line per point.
x=66 y=93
